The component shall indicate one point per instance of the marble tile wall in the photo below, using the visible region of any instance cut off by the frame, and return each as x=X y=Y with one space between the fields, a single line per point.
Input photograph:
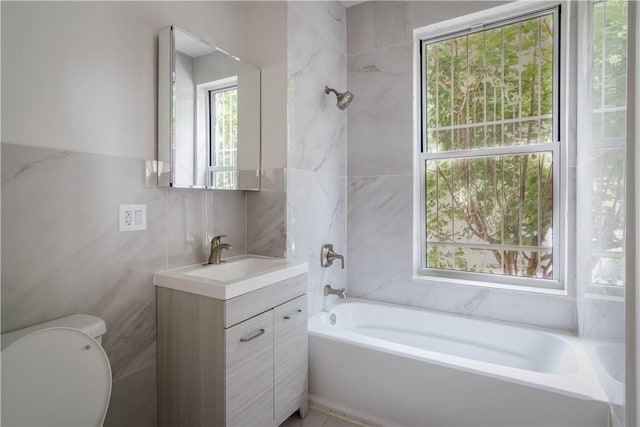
x=266 y=227
x=316 y=164
x=380 y=172
x=63 y=253
x=266 y=215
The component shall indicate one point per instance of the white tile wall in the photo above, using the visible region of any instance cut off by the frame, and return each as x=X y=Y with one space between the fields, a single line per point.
x=316 y=175
x=315 y=216
x=379 y=237
x=381 y=116
x=378 y=24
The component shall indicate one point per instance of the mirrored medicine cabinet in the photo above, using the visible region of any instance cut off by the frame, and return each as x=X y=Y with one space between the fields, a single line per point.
x=208 y=115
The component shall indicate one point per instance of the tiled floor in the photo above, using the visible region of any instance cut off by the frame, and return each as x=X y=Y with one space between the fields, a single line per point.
x=316 y=418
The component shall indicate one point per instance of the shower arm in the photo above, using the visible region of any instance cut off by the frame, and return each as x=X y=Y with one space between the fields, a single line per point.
x=327 y=89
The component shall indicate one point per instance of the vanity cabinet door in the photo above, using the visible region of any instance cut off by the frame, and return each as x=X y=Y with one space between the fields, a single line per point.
x=249 y=372
x=290 y=355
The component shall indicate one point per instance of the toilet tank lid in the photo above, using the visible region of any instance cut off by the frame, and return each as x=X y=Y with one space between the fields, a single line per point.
x=90 y=325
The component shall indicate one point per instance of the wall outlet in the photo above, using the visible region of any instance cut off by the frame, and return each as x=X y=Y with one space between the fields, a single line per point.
x=133 y=217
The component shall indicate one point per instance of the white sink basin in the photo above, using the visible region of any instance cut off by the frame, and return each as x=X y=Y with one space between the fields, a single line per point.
x=234 y=270
x=235 y=277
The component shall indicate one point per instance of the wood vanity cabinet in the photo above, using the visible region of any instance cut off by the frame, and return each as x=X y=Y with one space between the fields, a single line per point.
x=239 y=362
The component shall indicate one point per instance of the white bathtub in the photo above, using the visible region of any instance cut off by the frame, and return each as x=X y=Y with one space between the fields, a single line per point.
x=393 y=365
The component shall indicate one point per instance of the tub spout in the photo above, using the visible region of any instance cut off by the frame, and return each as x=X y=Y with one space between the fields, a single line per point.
x=328 y=290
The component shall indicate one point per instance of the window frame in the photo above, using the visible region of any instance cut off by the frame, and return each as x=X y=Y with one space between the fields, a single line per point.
x=475 y=22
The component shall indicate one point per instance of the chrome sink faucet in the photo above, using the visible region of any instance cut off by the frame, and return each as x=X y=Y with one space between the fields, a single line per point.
x=216 y=250
x=328 y=290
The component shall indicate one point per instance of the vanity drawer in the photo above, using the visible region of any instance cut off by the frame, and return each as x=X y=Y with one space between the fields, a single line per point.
x=248 y=305
x=290 y=355
x=249 y=372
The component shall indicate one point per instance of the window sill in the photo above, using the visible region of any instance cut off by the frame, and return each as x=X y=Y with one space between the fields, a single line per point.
x=425 y=277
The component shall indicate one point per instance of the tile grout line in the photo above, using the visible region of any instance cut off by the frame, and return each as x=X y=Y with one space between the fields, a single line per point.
x=375 y=49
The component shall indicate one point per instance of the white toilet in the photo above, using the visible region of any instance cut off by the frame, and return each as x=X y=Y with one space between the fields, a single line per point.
x=56 y=374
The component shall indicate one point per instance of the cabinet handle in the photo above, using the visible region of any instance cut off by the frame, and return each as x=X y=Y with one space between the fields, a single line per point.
x=293 y=315
x=250 y=337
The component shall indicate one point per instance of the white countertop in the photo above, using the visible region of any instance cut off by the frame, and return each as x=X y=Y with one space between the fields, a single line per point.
x=236 y=276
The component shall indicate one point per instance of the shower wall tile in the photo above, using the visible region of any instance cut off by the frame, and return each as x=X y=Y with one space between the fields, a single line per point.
x=602 y=318
x=266 y=211
x=326 y=18
x=316 y=216
x=380 y=128
x=380 y=245
x=535 y=309
x=372 y=25
x=379 y=242
x=316 y=183
x=317 y=129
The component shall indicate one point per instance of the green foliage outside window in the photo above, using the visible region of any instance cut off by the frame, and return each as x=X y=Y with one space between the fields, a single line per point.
x=491 y=89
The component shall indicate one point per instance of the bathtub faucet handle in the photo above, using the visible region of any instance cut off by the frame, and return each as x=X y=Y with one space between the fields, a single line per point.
x=328 y=255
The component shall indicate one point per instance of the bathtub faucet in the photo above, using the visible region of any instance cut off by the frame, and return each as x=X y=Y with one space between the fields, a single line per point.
x=328 y=290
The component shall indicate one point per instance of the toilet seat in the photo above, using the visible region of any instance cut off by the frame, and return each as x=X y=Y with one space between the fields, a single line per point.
x=55 y=377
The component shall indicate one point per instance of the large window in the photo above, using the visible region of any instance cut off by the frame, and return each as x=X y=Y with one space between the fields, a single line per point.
x=490 y=152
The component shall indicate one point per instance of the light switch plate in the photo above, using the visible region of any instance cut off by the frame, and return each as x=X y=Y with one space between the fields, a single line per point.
x=133 y=217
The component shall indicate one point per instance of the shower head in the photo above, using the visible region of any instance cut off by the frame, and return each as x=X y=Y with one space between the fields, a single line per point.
x=344 y=98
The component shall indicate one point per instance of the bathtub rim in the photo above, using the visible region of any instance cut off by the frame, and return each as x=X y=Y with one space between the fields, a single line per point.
x=582 y=384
